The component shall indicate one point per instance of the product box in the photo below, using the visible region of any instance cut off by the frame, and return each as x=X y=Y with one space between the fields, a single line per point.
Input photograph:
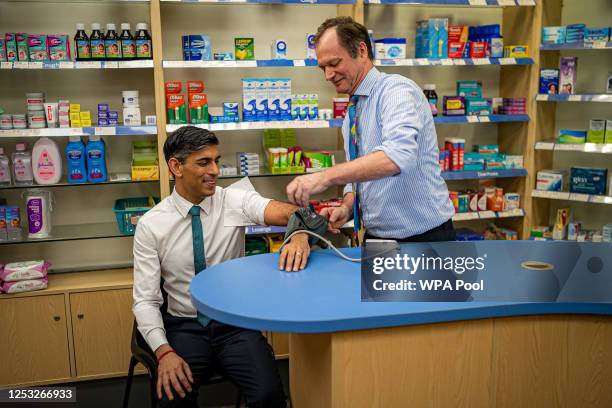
x=313 y=106
x=21 y=40
x=274 y=99
x=516 y=51
x=37 y=47
x=249 y=100
x=469 y=89
x=145 y=165
x=551 y=180
x=75 y=107
x=85 y=115
x=489 y=149
x=513 y=161
x=432 y=38
x=2 y=50
x=586 y=180
x=553 y=35
x=573 y=230
x=58 y=47
x=198 y=108
x=549 y=81
x=608 y=138
x=261 y=97
x=561 y=222
x=478 y=49
x=572 y=136
x=175 y=108
x=310 y=47
x=512 y=201
x=453 y=106
x=567 y=74
x=595 y=35
x=479 y=107
x=278 y=49
x=244 y=48
x=10 y=44
x=390 y=48
x=607 y=233
x=574 y=33
x=223 y=56
x=597 y=131
x=340 y=106
x=285 y=98
x=197 y=48
x=457 y=40
x=230 y=111
x=131 y=117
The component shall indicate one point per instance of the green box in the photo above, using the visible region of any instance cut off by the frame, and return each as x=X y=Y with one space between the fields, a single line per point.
x=608 y=138
x=244 y=48
x=597 y=131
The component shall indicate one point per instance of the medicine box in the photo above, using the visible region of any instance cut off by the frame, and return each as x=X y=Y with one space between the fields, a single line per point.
x=572 y=136
x=587 y=180
x=469 y=89
x=567 y=74
x=551 y=180
x=549 y=81
x=597 y=131
x=608 y=138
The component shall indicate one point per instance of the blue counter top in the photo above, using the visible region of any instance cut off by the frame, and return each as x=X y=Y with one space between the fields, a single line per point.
x=325 y=297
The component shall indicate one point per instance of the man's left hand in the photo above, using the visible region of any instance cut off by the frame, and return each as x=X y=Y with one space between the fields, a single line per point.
x=302 y=187
x=295 y=254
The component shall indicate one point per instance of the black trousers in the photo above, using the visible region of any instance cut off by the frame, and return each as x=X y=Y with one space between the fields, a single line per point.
x=443 y=232
x=244 y=356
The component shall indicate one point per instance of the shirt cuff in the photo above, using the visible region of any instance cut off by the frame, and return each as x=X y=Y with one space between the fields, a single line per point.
x=156 y=338
x=347 y=189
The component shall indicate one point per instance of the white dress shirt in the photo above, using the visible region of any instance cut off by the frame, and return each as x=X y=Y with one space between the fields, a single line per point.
x=163 y=249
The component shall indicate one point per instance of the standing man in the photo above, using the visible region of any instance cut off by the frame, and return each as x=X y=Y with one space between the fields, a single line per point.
x=201 y=225
x=393 y=181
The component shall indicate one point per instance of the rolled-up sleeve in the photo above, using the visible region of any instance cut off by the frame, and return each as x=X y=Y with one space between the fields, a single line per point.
x=243 y=205
x=401 y=124
x=147 y=292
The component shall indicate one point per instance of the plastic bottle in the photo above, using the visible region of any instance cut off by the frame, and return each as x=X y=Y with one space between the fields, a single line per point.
x=81 y=44
x=46 y=161
x=5 y=169
x=22 y=166
x=128 y=44
x=75 y=155
x=144 y=49
x=96 y=41
x=38 y=211
x=432 y=97
x=112 y=46
x=96 y=160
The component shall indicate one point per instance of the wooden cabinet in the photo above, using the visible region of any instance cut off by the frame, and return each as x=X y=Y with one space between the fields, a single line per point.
x=280 y=344
x=34 y=340
x=102 y=328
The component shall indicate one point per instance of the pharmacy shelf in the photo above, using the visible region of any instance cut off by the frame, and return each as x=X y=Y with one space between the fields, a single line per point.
x=575 y=98
x=74 y=232
x=577 y=47
x=287 y=124
x=414 y=62
x=484 y=174
x=488 y=215
x=242 y=64
x=86 y=131
x=443 y=120
x=77 y=65
x=261 y=1
x=74 y=1
x=262 y=229
x=584 y=147
x=64 y=183
x=429 y=62
x=564 y=195
x=337 y=123
x=464 y=3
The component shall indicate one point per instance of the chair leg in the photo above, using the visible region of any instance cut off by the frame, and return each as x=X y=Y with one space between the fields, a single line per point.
x=128 y=383
x=239 y=399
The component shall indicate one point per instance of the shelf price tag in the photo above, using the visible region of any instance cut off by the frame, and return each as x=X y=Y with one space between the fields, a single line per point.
x=472 y=119
x=246 y=64
x=20 y=65
x=486 y=214
x=460 y=62
x=110 y=64
x=88 y=64
x=579 y=197
x=105 y=131
x=299 y=63
x=422 y=61
x=447 y=61
x=506 y=2
x=478 y=2
x=544 y=146
x=574 y=98
x=481 y=61
x=601 y=199
x=6 y=65
x=66 y=65
x=484 y=119
x=507 y=61
x=525 y=2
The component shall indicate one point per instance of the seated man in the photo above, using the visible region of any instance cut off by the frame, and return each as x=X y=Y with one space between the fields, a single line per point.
x=201 y=225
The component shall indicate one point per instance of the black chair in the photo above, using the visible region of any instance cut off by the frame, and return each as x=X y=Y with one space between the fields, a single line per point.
x=142 y=353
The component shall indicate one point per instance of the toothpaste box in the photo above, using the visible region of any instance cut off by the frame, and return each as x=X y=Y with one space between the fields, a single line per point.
x=597 y=131
x=549 y=81
x=58 y=47
x=586 y=180
x=274 y=99
x=37 y=46
x=567 y=74
x=262 y=113
x=457 y=40
x=285 y=98
x=310 y=47
x=249 y=101
x=567 y=136
x=244 y=48
x=551 y=180
x=21 y=40
x=10 y=45
x=278 y=49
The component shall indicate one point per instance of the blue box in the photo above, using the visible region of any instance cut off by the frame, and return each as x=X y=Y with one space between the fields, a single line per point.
x=574 y=33
x=477 y=106
x=586 y=180
x=469 y=89
x=102 y=121
x=595 y=34
x=113 y=115
x=197 y=48
x=549 y=81
x=103 y=107
x=113 y=122
x=432 y=38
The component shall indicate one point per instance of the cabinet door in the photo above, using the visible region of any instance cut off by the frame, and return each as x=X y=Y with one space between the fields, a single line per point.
x=280 y=344
x=102 y=328
x=34 y=340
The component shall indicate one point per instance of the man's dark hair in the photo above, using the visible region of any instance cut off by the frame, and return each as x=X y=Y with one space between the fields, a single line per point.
x=186 y=140
x=350 y=34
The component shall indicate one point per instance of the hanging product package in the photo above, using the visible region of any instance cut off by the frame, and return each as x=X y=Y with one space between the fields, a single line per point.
x=38 y=209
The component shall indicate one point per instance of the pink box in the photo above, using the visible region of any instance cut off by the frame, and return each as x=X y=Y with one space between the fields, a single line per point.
x=567 y=75
x=58 y=47
x=37 y=45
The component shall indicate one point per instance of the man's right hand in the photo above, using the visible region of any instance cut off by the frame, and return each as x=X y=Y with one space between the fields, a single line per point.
x=172 y=372
x=337 y=216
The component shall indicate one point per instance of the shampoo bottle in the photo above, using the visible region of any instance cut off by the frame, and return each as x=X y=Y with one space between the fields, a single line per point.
x=75 y=154
x=96 y=160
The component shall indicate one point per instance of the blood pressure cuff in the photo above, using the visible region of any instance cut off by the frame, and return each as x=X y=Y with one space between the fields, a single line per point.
x=307 y=219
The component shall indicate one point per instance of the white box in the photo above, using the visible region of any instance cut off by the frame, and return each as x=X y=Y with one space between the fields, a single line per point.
x=274 y=99
x=278 y=49
x=131 y=117
x=285 y=98
x=249 y=101
x=551 y=180
x=261 y=100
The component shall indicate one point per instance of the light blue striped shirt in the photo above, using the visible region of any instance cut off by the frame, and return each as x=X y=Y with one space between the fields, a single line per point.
x=393 y=116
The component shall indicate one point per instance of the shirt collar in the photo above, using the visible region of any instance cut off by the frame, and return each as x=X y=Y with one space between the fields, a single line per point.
x=183 y=206
x=365 y=87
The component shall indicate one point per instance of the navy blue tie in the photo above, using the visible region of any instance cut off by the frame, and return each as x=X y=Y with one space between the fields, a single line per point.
x=199 y=257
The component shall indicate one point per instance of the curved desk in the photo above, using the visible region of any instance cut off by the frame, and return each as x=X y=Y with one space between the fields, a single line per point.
x=348 y=353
